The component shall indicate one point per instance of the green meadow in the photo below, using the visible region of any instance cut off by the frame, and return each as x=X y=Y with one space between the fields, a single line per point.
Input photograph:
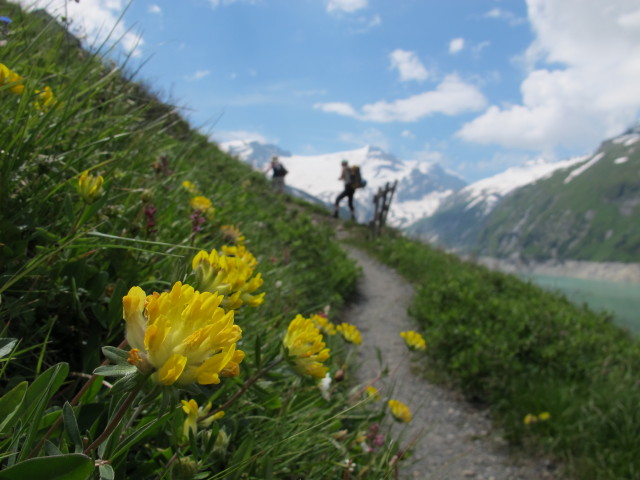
x=107 y=195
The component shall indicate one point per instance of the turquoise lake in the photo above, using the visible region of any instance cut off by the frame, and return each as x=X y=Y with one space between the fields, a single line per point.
x=620 y=299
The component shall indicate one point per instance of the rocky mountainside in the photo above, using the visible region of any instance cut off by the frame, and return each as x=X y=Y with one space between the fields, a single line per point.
x=580 y=209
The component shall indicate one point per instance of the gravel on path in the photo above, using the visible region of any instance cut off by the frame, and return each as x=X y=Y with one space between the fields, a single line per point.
x=455 y=439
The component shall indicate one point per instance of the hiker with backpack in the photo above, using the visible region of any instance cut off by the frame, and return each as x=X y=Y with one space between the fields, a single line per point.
x=278 y=174
x=352 y=180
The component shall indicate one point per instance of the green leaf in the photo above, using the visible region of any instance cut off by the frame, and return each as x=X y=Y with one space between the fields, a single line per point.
x=71 y=426
x=116 y=355
x=115 y=370
x=106 y=472
x=128 y=382
x=6 y=345
x=36 y=399
x=241 y=456
x=74 y=466
x=10 y=404
x=138 y=435
x=45 y=386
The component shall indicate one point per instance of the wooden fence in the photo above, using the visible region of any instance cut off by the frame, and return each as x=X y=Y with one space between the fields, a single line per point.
x=381 y=204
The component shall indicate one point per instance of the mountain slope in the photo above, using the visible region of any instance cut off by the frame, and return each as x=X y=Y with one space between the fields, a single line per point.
x=458 y=221
x=421 y=186
x=588 y=212
x=579 y=209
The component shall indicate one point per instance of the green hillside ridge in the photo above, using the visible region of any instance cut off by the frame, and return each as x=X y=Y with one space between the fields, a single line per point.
x=72 y=247
x=589 y=218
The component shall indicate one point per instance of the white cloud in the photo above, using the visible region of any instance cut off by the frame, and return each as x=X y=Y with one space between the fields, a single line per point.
x=245 y=135
x=348 y=6
x=456 y=45
x=340 y=108
x=371 y=136
x=197 y=75
x=408 y=134
x=93 y=22
x=408 y=65
x=452 y=96
x=155 y=9
x=583 y=80
x=505 y=15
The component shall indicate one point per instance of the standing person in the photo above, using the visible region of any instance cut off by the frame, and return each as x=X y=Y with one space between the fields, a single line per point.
x=278 y=174
x=348 y=191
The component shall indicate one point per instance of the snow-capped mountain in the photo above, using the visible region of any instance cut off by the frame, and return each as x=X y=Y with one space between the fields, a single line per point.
x=578 y=209
x=421 y=186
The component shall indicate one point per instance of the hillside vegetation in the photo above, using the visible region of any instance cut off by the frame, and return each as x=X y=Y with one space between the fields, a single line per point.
x=583 y=212
x=111 y=206
x=557 y=377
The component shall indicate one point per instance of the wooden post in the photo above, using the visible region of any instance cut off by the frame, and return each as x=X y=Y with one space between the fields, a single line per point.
x=381 y=202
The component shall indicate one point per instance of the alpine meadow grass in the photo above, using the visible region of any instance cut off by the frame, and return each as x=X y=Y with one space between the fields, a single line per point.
x=148 y=288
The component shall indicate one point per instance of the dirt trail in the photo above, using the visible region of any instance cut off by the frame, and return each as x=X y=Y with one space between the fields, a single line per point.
x=457 y=440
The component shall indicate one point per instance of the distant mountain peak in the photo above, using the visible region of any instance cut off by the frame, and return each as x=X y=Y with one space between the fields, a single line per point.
x=421 y=186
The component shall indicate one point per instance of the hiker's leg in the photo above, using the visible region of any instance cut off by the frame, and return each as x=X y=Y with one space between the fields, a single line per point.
x=337 y=204
x=353 y=211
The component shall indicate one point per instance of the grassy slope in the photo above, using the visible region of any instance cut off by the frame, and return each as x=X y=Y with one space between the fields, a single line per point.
x=523 y=350
x=64 y=265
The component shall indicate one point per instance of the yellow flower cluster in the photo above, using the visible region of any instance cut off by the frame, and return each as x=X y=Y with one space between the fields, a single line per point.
x=232 y=234
x=306 y=348
x=9 y=77
x=182 y=336
x=229 y=273
x=414 y=340
x=203 y=204
x=44 y=98
x=350 y=333
x=89 y=186
x=372 y=392
x=323 y=324
x=189 y=187
x=194 y=412
x=400 y=411
x=530 y=418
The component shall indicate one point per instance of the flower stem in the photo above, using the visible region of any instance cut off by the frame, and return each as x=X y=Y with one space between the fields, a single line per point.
x=113 y=423
x=244 y=388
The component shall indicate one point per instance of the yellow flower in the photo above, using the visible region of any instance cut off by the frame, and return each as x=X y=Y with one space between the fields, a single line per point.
x=350 y=333
x=323 y=324
x=182 y=336
x=229 y=273
x=414 y=340
x=194 y=413
x=232 y=369
x=189 y=187
x=203 y=204
x=400 y=411
x=44 y=99
x=89 y=186
x=529 y=419
x=372 y=392
x=232 y=234
x=544 y=416
x=305 y=347
x=8 y=76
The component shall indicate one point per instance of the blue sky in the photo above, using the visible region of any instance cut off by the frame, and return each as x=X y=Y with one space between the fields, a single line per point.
x=476 y=85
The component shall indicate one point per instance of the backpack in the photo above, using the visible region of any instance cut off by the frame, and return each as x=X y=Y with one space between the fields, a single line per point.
x=280 y=171
x=356 y=178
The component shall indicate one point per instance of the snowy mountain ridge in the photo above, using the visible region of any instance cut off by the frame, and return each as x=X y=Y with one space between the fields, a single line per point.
x=421 y=186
